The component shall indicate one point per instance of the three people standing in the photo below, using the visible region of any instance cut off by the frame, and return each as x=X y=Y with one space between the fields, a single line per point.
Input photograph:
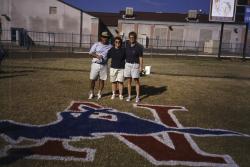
x=126 y=62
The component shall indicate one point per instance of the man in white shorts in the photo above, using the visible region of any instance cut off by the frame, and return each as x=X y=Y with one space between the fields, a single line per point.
x=134 y=64
x=99 y=65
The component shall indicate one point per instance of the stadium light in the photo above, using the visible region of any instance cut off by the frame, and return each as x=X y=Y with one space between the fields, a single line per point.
x=170 y=27
x=236 y=30
x=6 y=17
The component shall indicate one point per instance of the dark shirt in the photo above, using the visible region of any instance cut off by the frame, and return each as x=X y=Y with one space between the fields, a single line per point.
x=118 y=57
x=133 y=53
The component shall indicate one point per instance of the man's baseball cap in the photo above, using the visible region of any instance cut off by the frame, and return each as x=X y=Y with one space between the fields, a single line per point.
x=105 y=34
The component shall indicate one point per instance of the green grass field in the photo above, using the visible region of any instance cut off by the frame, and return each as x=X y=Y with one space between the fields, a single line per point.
x=216 y=93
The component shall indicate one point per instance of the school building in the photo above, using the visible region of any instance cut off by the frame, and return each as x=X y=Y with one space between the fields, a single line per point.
x=59 y=22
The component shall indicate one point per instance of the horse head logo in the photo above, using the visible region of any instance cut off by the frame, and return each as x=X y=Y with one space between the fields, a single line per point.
x=84 y=120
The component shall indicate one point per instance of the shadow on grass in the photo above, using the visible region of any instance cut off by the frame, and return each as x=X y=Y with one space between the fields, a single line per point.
x=12 y=76
x=15 y=71
x=48 y=68
x=146 y=91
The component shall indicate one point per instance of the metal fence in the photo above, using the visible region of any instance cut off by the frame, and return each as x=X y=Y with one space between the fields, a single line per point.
x=20 y=38
x=23 y=38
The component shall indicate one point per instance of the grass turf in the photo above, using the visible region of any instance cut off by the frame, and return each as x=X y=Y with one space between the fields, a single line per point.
x=216 y=93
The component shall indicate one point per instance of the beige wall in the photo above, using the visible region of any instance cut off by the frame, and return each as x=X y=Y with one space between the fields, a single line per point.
x=126 y=28
x=193 y=32
x=5 y=8
x=34 y=15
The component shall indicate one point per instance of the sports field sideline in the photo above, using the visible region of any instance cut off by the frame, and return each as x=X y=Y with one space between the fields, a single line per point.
x=215 y=93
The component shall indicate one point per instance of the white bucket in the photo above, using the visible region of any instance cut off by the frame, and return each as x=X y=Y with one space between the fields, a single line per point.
x=147 y=70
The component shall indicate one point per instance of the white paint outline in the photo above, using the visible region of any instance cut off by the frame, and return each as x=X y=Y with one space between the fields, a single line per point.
x=227 y=158
x=91 y=152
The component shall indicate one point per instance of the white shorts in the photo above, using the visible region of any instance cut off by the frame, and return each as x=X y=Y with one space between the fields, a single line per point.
x=132 y=70
x=116 y=75
x=98 y=70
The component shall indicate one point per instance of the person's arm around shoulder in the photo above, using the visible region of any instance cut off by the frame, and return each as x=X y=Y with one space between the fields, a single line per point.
x=123 y=52
x=109 y=54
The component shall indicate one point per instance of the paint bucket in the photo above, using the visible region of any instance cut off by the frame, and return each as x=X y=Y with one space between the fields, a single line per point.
x=147 y=70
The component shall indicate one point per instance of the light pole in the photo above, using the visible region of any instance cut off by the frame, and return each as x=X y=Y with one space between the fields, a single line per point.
x=6 y=17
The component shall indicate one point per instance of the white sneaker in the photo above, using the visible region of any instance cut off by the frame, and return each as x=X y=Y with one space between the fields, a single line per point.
x=91 y=95
x=121 y=97
x=112 y=97
x=99 y=96
x=137 y=99
x=128 y=98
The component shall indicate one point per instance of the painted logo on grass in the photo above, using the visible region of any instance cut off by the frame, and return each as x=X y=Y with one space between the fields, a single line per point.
x=162 y=141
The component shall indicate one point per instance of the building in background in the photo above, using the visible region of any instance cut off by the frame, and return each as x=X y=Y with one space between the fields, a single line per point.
x=56 y=23
x=166 y=30
x=56 y=17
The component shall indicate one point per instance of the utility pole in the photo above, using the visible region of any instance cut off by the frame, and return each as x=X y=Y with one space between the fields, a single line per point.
x=221 y=37
x=245 y=42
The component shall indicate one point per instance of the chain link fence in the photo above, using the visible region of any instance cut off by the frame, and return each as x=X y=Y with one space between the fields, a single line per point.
x=20 y=40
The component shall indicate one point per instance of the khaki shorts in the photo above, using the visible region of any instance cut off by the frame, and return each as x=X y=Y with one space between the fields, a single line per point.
x=98 y=70
x=132 y=70
x=116 y=75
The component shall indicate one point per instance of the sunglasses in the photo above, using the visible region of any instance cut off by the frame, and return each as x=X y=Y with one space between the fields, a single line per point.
x=117 y=42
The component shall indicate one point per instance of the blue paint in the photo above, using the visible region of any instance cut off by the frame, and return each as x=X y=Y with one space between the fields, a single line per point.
x=85 y=126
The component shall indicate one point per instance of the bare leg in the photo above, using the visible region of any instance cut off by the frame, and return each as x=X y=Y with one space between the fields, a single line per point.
x=114 y=85
x=101 y=85
x=120 y=88
x=137 y=86
x=92 y=86
x=129 y=86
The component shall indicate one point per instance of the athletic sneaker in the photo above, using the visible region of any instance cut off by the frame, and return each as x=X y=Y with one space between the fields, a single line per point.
x=91 y=95
x=99 y=96
x=112 y=97
x=137 y=99
x=128 y=98
x=121 y=97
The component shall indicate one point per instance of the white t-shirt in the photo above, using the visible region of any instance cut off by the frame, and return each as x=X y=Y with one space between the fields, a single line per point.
x=100 y=49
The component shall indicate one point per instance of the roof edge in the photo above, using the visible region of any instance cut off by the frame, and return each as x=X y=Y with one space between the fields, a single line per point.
x=68 y=4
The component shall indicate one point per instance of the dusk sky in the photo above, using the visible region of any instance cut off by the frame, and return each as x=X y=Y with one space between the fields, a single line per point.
x=168 y=6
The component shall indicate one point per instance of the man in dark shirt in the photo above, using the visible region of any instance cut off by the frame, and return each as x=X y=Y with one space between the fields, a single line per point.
x=134 y=64
x=117 y=55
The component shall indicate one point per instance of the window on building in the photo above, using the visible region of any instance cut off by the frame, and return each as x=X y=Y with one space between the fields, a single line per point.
x=126 y=28
x=160 y=37
x=226 y=40
x=52 y=10
x=176 y=37
x=205 y=35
